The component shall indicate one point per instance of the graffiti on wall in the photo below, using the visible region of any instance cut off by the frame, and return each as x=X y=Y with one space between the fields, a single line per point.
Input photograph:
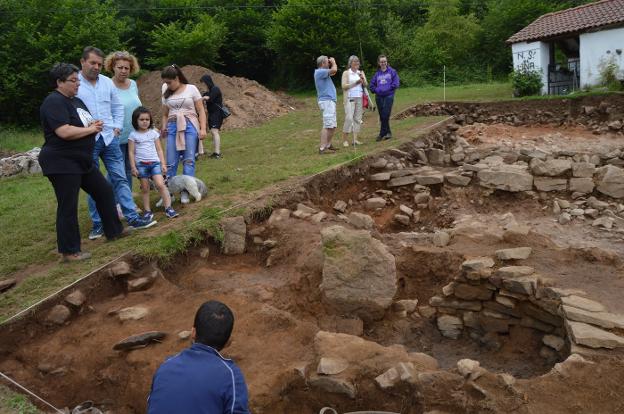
x=525 y=60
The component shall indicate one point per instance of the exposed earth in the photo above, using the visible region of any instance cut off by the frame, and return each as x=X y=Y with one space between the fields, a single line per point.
x=477 y=269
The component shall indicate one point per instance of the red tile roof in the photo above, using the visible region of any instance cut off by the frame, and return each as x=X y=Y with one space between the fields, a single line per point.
x=577 y=19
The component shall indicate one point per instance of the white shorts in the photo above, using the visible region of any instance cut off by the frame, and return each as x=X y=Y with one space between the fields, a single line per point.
x=328 y=109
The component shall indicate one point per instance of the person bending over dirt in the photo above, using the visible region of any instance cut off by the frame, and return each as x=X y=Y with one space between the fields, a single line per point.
x=199 y=380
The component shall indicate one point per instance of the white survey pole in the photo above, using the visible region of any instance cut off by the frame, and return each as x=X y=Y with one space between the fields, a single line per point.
x=444 y=82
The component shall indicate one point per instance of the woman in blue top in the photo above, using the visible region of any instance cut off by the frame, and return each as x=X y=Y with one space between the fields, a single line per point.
x=122 y=65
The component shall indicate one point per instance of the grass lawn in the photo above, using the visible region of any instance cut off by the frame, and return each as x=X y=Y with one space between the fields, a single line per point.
x=14 y=403
x=254 y=158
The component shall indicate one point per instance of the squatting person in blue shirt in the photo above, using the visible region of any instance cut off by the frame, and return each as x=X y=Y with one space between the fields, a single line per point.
x=199 y=380
x=384 y=83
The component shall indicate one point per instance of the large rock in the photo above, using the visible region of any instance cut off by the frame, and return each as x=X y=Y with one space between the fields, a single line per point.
x=58 y=315
x=587 y=335
x=359 y=274
x=279 y=216
x=581 y=185
x=602 y=319
x=506 y=177
x=234 y=233
x=375 y=202
x=583 y=169
x=550 y=168
x=610 y=181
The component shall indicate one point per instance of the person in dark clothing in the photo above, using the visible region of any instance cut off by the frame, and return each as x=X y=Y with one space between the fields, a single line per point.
x=66 y=158
x=214 y=102
x=199 y=380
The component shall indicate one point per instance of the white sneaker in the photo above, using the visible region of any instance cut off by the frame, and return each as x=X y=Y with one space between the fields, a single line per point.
x=345 y=144
x=184 y=197
x=356 y=142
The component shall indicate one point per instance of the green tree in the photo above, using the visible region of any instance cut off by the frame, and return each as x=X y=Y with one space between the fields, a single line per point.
x=192 y=43
x=305 y=29
x=34 y=35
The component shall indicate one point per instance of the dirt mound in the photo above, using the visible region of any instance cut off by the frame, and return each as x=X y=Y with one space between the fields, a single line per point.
x=250 y=102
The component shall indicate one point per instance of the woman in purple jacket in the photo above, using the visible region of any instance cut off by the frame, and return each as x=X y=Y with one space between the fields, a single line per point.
x=384 y=83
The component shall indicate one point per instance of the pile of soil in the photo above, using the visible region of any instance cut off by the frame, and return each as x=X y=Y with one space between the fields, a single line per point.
x=251 y=103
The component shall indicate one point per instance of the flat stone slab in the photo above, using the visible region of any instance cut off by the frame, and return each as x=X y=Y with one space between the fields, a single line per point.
x=602 y=319
x=587 y=335
x=583 y=303
x=515 y=271
x=505 y=177
x=477 y=263
x=382 y=176
x=517 y=253
x=139 y=341
x=401 y=181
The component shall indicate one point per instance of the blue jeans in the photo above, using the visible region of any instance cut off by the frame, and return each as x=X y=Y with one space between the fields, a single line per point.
x=191 y=140
x=148 y=170
x=114 y=162
x=384 y=106
x=124 y=152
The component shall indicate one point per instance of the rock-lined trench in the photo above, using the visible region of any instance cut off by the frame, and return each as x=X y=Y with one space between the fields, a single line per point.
x=400 y=283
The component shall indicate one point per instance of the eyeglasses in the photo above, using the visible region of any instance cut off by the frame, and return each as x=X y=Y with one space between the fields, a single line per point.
x=75 y=80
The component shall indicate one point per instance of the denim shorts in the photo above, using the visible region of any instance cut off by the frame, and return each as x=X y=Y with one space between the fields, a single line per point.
x=148 y=169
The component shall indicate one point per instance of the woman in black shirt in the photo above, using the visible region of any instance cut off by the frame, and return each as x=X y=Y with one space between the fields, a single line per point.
x=214 y=102
x=66 y=158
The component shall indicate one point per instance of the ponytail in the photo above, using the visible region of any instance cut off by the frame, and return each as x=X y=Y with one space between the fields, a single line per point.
x=171 y=72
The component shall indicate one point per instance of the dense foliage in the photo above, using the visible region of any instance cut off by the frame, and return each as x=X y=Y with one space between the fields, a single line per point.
x=526 y=82
x=273 y=41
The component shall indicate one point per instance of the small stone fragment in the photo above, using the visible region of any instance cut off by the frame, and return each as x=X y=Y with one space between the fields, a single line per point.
x=402 y=219
x=139 y=341
x=374 y=203
x=133 y=313
x=517 y=253
x=340 y=206
x=120 y=268
x=565 y=218
x=477 y=263
x=141 y=283
x=58 y=315
x=331 y=366
x=406 y=210
x=450 y=326
x=76 y=298
x=361 y=221
x=441 y=238
x=469 y=368
x=388 y=379
x=184 y=335
x=204 y=252
x=555 y=342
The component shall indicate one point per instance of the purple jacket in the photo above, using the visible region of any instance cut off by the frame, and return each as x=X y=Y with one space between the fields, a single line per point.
x=384 y=83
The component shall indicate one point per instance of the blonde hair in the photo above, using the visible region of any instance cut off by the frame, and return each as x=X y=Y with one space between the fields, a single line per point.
x=112 y=58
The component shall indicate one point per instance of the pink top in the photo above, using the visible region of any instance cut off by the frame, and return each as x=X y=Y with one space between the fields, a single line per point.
x=181 y=106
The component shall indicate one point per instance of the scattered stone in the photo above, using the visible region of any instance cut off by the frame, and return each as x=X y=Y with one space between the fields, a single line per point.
x=406 y=210
x=555 y=342
x=469 y=368
x=361 y=221
x=58 y=315
x=517 y=253
x=383 y=176
x=306 y=209
x=139 y=284
x=605 y=222
x=388 y=379
x=374 y=203
x=317 y=218
x=279 y=216
x=331 y=366
x=441 y=238
x=582 y=303
x=120 y=268
x=587 y=335
x=7 y=284
x=450 y=326
x=76 y=298
x=139 y=341
x=402 y=219
x=184 y=335
x=340 y=206
x=563 y=203
x=359 y=274
x=204 y=253
x=133 y=313
x=564 y=218
x=477 y=263
x=577 y=212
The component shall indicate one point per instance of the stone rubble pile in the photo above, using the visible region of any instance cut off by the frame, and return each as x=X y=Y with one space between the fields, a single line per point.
x=599 y=114
x=24 y=163
x=486 y=300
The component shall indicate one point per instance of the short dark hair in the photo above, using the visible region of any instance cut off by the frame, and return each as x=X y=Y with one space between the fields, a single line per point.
x=213 y=324
x=91 y=49
x=60 y=72
x=137 y=113
x=171 y=72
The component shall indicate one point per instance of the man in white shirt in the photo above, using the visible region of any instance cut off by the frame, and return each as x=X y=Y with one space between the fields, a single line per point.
x=100 y=96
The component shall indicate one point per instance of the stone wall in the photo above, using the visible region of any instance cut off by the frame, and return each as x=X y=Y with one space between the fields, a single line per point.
x=598 y=113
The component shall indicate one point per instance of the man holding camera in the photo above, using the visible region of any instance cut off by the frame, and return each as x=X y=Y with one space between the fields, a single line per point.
x=326 y=92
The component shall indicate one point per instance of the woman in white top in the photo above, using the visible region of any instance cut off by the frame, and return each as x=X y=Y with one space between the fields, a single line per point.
x=183 y=122
x=353 y=84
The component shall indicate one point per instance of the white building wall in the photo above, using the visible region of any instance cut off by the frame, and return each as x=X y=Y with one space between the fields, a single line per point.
x=596 y=49
x=534 y=56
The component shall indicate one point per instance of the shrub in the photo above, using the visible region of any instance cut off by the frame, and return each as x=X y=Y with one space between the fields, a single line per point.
x=526 y=82
x=608 y=71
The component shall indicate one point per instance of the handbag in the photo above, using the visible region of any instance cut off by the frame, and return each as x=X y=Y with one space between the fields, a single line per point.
x=224 y=110
x=367 y=102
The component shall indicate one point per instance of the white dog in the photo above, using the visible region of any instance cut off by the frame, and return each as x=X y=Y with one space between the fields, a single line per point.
x=194 y=186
